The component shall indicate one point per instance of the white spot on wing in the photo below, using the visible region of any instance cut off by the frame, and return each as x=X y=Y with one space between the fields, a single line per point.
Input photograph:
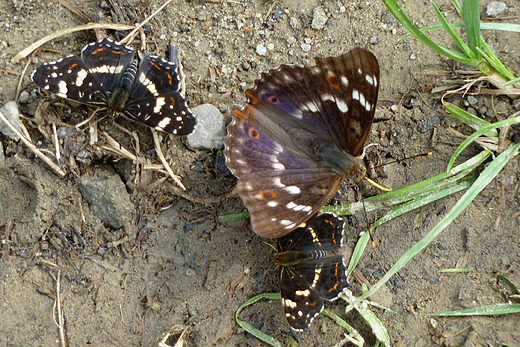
x=62 y=89
x=293 y=190
x=82 y=74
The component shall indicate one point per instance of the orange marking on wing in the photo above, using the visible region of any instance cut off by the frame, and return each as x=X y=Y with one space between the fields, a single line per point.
x=253 y=133
x=73 y=66
x=333 y=81
x=267 y=195
x=244 y=113
x=173 y=100
x=336 y=285
x=98 y=50
x=274 y=100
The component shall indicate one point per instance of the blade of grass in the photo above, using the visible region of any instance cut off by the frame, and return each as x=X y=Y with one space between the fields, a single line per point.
x=398 y=13
x=489 y=310
x=510 y=121
x=252 y=330
x=482 y=181
x=471 y=17
x=356 y=338
x=471 y=120
x=456 y=38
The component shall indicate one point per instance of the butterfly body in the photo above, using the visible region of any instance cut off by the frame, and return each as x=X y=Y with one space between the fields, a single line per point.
x=106 y=75
x=311 y=268
x=299 y=135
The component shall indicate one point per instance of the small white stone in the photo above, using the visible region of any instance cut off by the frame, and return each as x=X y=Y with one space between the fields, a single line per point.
x=413 y=56
x=260 y=49
x=270 y=46
x=306 y=47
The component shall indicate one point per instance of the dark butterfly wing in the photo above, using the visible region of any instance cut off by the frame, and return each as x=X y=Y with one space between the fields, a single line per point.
x=334 y=99
x=323 y=233
x=107 y=61
x=280 y=189
x=70 y=78
x=155 y=76
x=301 y=305
x=155 y=101
x=326 y=277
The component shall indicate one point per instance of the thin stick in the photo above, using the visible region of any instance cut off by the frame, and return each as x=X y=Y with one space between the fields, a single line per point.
x=25 y=52
x=132 y=33
x=19 y=86
x=33 y=148
x=60 y=315
x=163 y=160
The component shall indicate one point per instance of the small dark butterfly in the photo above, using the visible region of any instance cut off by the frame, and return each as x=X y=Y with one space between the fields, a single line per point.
x=106 y=75
x=310 y=269
x=298 y=136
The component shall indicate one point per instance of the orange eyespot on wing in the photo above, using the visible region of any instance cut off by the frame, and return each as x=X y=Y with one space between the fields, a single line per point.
x=253 y=133
x=268 y=195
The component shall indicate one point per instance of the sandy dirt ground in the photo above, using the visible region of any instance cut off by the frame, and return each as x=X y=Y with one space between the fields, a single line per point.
x=169 y=262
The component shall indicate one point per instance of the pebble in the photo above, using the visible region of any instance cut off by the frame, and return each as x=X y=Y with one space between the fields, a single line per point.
x=471 y=100
x=260 y=49
x=372 y=40
x=270 y=46
x=246 y=66
x=306 y=47
x=184 y=27
x=413 y=56
x=293 y=22
x=210 y=129
x=107 y=197
x=291 y=40
x=319 y=18
x=342 y=9
x=428 y=124
x=495 y=8
x=10 y=111
x=24 y=97
x=276 y=14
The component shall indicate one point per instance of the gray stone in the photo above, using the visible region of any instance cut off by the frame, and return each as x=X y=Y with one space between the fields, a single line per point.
x=319 y=18
x=210 y=129
x=24 y=97
x=495 y=8
x=471 y=100
x=108 y=199
x=10 y=112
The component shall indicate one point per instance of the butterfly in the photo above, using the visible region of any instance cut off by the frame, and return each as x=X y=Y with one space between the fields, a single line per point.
x=310 y=270
x=298 y=137
x=106 y=75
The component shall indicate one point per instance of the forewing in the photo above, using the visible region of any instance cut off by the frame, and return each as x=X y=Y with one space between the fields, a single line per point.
x=70 y=78
x=107 y=60
x=155 y=77
x=335 y=99
x=301 y=305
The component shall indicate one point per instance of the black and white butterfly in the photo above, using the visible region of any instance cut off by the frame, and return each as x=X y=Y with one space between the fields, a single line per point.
x=311 y=268
x=106 y=75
